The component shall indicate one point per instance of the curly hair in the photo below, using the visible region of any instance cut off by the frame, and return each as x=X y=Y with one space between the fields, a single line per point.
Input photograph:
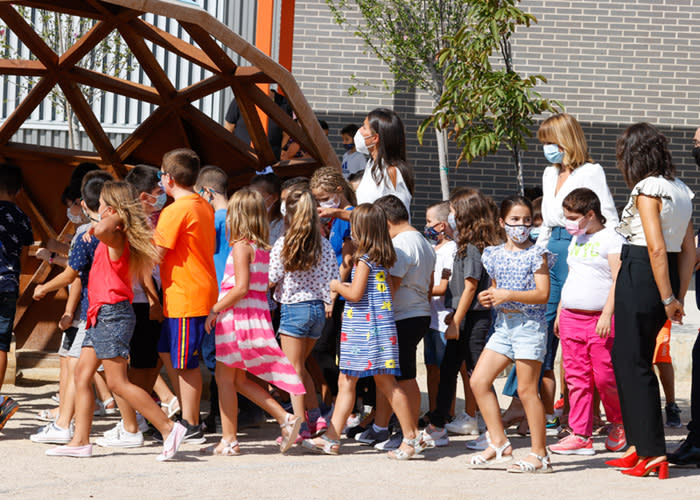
x=475 y=220
x=328 y=179
x=246 y=218
x=302 y=242
x=641 y=152
x=370 y=234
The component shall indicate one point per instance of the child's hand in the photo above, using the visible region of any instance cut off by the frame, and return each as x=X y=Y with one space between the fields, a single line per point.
x=329 y=310
x=448 y=318
x=39 y=292
x=210 y=322
x=499 y=295
x=155 y=312
x=87 y=235
x=485 y=298
x=43 y=254
x=675 y=312
x=335 y=285
x=446 y=273
x=603 y=326
x=452 y=332
x=66 y=321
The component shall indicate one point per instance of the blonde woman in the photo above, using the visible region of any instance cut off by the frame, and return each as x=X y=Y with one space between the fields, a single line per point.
x=302 y=266
x=125 y=252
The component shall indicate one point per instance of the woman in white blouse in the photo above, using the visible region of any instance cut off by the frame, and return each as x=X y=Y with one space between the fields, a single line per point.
x=656 y=268
x=565 y=148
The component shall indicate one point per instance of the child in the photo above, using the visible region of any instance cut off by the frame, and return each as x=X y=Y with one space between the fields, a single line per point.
x=15 y=233
x=186 y=237
x=369 y=344
x=245 y=341
x=125 y=250
x=664 y=365
x=520 y=288
x=212 y=185
x=270 y=187
x=585 y=325
x=353 y=160
x=302 y=264
x=445 y=248
x=469 y=325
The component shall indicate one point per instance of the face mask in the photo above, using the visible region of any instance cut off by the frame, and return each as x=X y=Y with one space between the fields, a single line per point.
x=696 y=155
x=431 y=233
x=518 y=233
x=283 y=209
x=534 y=233
x=348 y=147
x=452 y=222
x=75 y=219
x=552 y=153
x=161 y=199
x=360 y=143
x=572 y=227
x=333 y=202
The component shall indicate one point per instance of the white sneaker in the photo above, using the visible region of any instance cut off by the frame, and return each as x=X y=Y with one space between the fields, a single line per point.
x=479 y=444
x=119 y=427
x=52 y=434
x=392 y=443
x=121 y=439
x=463 y=424
x=434 y=437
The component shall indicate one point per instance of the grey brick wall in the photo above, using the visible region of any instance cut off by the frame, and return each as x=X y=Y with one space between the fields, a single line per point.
x=609 y=62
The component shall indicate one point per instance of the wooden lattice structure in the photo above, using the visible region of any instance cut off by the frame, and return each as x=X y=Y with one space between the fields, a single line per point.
x=176 y=122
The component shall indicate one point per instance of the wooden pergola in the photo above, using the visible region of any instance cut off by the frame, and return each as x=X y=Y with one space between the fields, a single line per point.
x=175 y=122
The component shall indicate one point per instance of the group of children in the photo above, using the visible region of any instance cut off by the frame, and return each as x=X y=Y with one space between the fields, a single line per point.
x=352 y=300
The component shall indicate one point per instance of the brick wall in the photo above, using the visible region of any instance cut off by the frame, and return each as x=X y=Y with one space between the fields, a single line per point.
x=609 y=62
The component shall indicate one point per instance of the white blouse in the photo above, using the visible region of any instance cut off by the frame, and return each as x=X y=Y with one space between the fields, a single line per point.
x=588 y=175
x=369 y=191
x=676 y=210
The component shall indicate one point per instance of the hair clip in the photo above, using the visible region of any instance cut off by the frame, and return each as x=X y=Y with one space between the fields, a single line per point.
x=267 y=170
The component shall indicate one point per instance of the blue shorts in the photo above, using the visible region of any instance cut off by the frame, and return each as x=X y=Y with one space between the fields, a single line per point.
x=111 y=333
x=434 y=344
x=182 y=339
x=518 y=336
x=303 y=319
x=8 y=306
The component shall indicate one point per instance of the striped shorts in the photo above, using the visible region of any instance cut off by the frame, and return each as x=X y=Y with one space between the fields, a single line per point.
x=182 y=339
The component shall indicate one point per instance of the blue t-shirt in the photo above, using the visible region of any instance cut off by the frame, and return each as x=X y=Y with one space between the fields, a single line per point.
x=340 y=231
x=15 y=233
x=222 y=245
x=80 y=260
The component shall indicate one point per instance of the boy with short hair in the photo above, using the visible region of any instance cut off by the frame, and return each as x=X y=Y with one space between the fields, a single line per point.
x=353 y=160
x=15 y=234
x=186 y=237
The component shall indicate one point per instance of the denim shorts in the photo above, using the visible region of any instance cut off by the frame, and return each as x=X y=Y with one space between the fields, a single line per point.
x=303 y=319
x=72 y=341
x=8 y=306
x=434 y=344
x=518 y=336
x=111 y=334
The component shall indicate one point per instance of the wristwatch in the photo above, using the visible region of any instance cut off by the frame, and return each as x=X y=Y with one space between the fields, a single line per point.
x=668 y=301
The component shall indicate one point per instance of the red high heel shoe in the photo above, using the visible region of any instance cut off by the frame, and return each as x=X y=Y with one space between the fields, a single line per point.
x=624 y=462
x=643 y=469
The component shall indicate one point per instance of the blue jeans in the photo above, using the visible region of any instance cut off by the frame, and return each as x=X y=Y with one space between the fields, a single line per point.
x=303 y=319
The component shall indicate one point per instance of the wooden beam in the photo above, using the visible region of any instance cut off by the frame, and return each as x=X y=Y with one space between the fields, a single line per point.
x=72 y=7
x=25 y=108
x=43 y=223
x=209 y=45
x=174 y=44
x=29 y=37
x=253 y=124
x=85 y=44
x=116 y=85
x=149 y=63
x=139 y=135
x=203 y=88
x=36 y=152
x=22 y=67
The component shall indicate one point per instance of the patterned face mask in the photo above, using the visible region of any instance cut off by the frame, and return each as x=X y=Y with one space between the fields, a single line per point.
x=518 y=233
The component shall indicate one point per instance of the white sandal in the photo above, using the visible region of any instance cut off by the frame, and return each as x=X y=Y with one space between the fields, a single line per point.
x=229 y=450
x=101 y=409
x=524 y=467
x=291 y=425
x=479 y=460
x=399 y=454
x=171 y=408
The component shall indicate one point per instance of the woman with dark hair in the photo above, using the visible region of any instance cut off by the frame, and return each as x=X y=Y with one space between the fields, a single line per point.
x=654 y=276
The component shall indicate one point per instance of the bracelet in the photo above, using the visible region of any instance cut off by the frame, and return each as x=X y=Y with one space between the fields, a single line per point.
x=669 y=300
x=51 y=257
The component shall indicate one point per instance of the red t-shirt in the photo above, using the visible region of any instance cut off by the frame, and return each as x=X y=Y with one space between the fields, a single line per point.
x=109 y=281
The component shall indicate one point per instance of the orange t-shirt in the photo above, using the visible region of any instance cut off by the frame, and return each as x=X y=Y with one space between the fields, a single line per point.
x=186 y=229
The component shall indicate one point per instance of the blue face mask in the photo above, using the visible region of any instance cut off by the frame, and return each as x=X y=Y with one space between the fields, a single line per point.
x=431 y=233
x=552 y=153
x=161 y=199
x=534 y=233
x=452 y=222
x=348 y=147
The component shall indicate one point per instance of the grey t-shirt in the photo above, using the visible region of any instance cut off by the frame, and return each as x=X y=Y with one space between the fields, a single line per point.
x=467 y=266
x=415 y=262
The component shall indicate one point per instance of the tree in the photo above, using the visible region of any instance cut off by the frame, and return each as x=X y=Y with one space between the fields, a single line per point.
x=408 y=35
x=60 y=32
x=486 y=107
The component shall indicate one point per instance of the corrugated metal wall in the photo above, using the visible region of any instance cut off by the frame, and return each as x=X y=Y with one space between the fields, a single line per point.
x=120 y=115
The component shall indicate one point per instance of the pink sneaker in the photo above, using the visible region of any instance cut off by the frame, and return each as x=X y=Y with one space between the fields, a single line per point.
x=573 y=445
x=71 y=451
x=320 y=426
x=172 y=442
x=616 y=439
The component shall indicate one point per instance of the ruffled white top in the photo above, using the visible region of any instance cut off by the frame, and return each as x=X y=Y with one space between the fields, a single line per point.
x=589 y=175
x=369 y=191
x=676 y=210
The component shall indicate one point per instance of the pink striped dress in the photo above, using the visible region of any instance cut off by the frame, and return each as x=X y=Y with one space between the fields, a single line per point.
x=244 y=335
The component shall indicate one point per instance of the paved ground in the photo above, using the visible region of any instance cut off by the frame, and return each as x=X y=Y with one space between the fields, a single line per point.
x=261 y=473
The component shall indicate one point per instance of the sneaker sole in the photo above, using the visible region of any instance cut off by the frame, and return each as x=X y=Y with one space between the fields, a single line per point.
x=614 y=449
x=8 y=416
x=573 y=452
x=104 y=444
x=49 y=441
x=473 y=432
x=201 y=440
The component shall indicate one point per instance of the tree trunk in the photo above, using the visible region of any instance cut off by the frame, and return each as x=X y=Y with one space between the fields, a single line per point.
x=71 y=130
x=517 y=160
x=441 y=136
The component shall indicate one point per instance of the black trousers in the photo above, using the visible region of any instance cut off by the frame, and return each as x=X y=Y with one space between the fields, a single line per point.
x=694 y=424
x=639 y=315
x=472 y=339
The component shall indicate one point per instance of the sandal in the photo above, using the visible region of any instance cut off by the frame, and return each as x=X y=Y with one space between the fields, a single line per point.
x=47 y=416
x=101 y=409
x=498 y=459
x=329 y=446
x=522 y=467
x=229 y=450
x=170 y=409
x=292 y=425
x=399 y=454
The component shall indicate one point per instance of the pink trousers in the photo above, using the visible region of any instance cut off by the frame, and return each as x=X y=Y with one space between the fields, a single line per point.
x=587 y=365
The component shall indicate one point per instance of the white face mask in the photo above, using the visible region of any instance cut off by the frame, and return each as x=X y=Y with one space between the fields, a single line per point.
x=333 y=202
x=283 y=209
x=360 y=144
x=75 y=219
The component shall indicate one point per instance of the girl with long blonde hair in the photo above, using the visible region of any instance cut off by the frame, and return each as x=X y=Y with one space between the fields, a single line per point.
x=244 y=334
x=125 y=252
x=302 y=265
